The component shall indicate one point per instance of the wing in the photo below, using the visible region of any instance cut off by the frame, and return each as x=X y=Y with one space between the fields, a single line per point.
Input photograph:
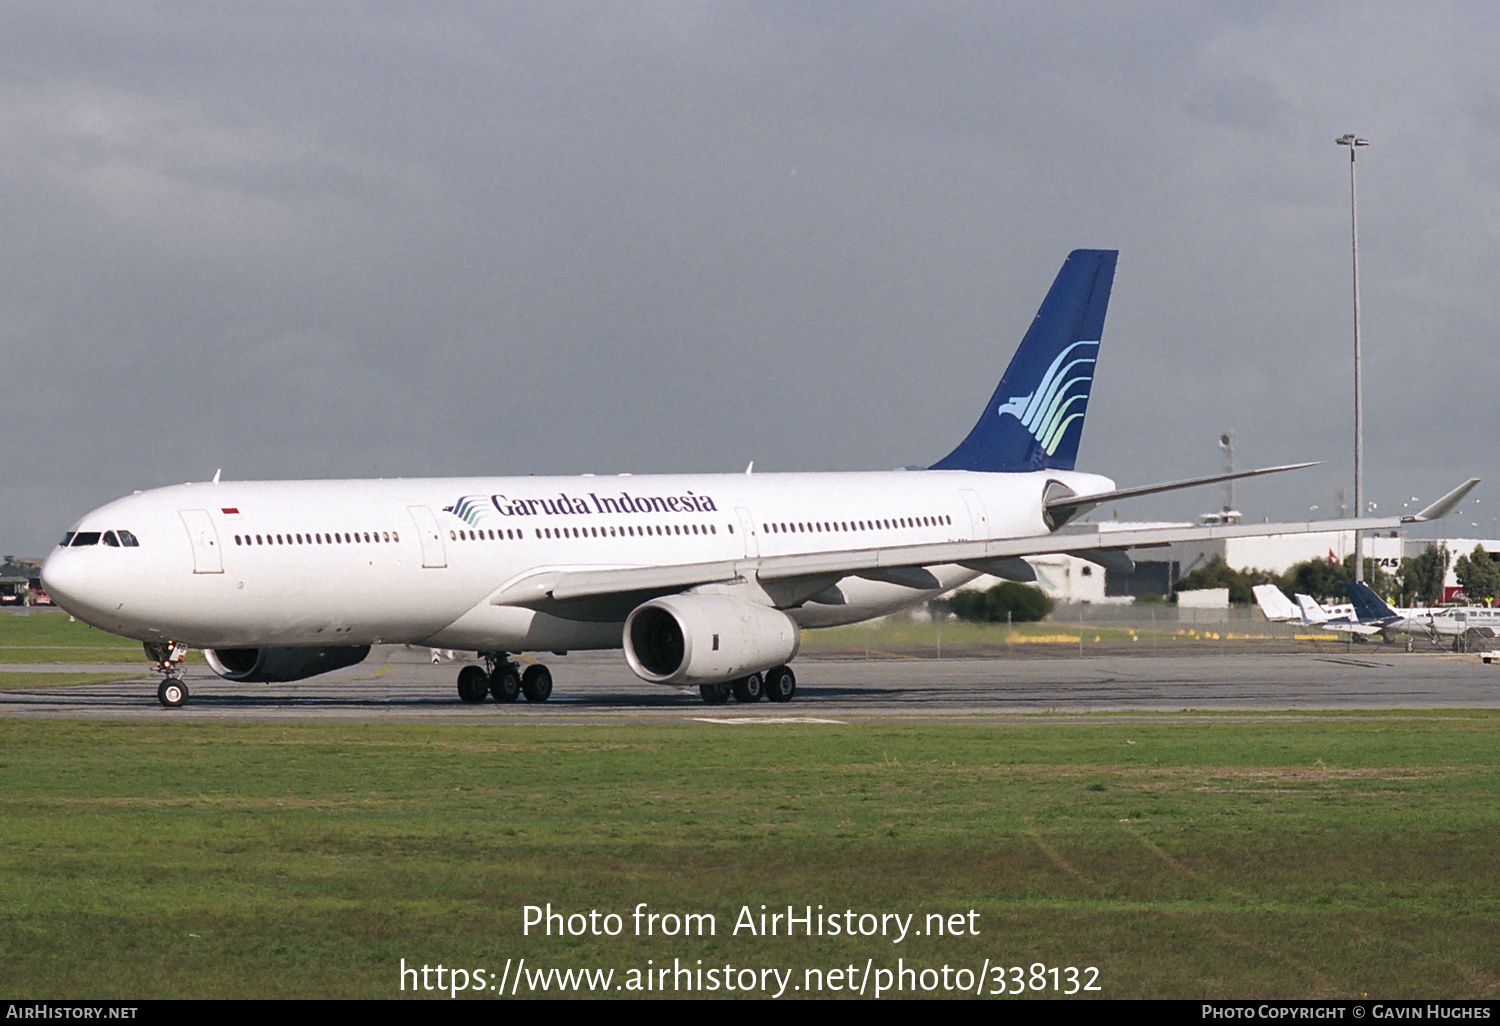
x=610 y=592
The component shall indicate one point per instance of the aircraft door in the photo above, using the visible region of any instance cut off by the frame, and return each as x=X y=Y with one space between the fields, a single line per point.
x=207 y=559
x=978 y=523
x=433 y=553
x=747 y=525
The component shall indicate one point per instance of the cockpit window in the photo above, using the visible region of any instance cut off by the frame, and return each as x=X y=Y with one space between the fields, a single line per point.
x=110 y=540
x=128 y=540
x=83 y=538
x=67 y=540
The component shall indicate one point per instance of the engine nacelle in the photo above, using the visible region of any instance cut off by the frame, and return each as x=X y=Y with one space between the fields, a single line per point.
x=703 y=639
x=281 y=665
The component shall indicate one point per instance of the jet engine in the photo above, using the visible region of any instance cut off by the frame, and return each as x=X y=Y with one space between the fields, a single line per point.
x=280 y=665
x=703 y=639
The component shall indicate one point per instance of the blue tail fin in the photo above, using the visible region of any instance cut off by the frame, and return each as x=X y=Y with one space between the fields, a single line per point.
x=1368 y=606
x=1035 y=418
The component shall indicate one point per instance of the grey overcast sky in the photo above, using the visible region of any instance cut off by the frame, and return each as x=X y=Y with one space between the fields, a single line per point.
x=376 y=239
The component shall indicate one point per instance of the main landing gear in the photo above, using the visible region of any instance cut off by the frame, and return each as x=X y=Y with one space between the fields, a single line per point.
x=168 y=656
x=503 y=679
x=779 y=685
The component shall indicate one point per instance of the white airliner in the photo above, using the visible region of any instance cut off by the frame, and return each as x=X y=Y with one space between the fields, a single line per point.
x=703 y=580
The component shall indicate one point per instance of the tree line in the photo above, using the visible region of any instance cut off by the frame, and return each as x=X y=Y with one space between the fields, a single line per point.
x=1418 y=581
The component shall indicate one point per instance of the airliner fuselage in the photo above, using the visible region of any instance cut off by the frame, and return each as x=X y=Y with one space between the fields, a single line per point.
x=288 y=563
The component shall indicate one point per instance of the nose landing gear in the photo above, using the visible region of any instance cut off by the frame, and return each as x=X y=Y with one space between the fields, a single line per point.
x=168 y=656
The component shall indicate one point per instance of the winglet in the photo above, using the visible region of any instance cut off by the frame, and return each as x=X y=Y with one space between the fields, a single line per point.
x=1445 y=505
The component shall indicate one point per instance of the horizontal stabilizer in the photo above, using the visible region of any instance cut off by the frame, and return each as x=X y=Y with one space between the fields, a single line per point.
x=1446 y=504
x=1076 y=504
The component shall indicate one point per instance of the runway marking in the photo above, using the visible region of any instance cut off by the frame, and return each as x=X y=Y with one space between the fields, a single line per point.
x=735 y=720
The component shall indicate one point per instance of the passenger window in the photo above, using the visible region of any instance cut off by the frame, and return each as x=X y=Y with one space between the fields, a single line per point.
x=395 y=537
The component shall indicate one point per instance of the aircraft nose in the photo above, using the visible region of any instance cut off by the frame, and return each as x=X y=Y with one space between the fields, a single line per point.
x=66 y=580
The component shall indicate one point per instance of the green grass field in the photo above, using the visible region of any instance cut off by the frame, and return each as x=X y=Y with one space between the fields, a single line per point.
x=18 y=680
x=51 y=628
x=49 y=636
x=1184 y=856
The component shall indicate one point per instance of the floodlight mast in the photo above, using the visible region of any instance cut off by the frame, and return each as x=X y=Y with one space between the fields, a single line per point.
x=1353 y=141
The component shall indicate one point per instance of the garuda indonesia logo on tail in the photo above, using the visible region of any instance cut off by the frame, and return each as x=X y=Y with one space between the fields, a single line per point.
x=1041 y=429
x=1048 y=411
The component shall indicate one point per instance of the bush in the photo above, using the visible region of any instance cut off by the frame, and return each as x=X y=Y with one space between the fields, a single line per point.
x=1020 y=603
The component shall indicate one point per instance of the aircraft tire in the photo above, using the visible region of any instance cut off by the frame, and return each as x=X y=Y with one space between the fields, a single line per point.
x=473 y=685
x=172 y=693
x=748 y=689
x=781 y=684
x=536 y=683
x=505 y=685
x=714 y=694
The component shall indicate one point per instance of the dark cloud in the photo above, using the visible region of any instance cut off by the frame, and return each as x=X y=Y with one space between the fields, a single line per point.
x=362 y=239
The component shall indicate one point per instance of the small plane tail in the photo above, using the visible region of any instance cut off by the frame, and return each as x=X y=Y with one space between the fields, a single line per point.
x=1274 y=604
x=1035 y=418
x=1312 y=612
x=1368 y=606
